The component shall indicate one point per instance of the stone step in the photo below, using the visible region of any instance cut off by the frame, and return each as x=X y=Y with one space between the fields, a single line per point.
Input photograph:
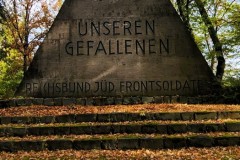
x=148 y=127
x=100 y=101
x=122 y=142
x=121 y=117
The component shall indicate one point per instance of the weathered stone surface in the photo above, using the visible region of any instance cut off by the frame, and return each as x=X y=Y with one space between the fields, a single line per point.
x=117 y=128
x=194 y=100
x=151 y=143
x=78 y=130
x=81 y=101
x=166 y=99
x=201 y=141
x=109 y=144
x=183 y=99
x=162 y=129
x=87 y=144
x=128 y=143
x=233 y=127
x=86 y=118
x=127 y=101
x=205 y=116
x=227 y=141
x=167 y=116
x=48 y=102
x=58 y=101
x=8 y=131
x=158 y=99
x=137 y=100
x=45 y=130
x=12 y=103
x=70 y=118
x=6 y=120
x=136 y=116
x=68 y=101
x=26 y=146
x=187 y=116
x=4 y=103
x=100 y=101
x=175 y=142
x=133 y=129
x=29 y=145
x=62 y=130
x=47 y=119
x=147 y=100
x=37 y=101
x=110 y=101
x=6 y=146
x=59 y=144
x=117 y=48
x=101 y=129
x=234 y=115
x=118 y=101
x=215 y=127
x=2 y=132
x=104 y=117
x=90 y=102
x=28 y=101
x=34 y=131
x=19 y=132
x=175 y=99
x=119 y=117
x=196 y=128
x=20 y=102
x=21 y=120
x=177 y=128
x=149 y=128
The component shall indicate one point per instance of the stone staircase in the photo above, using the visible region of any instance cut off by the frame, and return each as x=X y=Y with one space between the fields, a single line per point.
x=123 y=131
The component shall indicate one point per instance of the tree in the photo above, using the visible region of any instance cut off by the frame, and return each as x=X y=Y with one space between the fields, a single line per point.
x=184 y=11
x=28 y=22
x=214 y=36
x=215 y=26
x=24 y=24
x=2 y=19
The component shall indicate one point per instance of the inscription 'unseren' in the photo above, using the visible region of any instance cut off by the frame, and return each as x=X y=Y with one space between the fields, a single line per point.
x=116 y=28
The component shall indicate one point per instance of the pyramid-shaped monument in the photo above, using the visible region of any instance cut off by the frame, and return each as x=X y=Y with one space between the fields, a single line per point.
x=117 y=48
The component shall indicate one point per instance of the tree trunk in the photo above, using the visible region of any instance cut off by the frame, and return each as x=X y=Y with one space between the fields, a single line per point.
x=184 y=13
x=24 y=63
x=25 y=55
x=216 y=42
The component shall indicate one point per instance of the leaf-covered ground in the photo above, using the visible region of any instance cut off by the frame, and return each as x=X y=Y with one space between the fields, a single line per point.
x=216 y=153
x=145 y=122
x=144 y=108
x=115 y=136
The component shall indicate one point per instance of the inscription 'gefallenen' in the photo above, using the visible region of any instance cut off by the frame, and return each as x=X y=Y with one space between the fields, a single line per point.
x=118 y=47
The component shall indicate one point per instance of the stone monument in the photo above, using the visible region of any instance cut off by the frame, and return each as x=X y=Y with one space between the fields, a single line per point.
x=102 y=48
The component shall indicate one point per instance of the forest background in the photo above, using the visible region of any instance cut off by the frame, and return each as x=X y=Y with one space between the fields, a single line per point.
x=214 y=24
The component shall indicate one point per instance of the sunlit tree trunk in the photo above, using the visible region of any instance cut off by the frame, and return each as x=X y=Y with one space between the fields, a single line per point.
x=216 y=42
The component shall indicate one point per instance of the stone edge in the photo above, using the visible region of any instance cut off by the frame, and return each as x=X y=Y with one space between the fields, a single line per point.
x=120 y=143
x=101 y=101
